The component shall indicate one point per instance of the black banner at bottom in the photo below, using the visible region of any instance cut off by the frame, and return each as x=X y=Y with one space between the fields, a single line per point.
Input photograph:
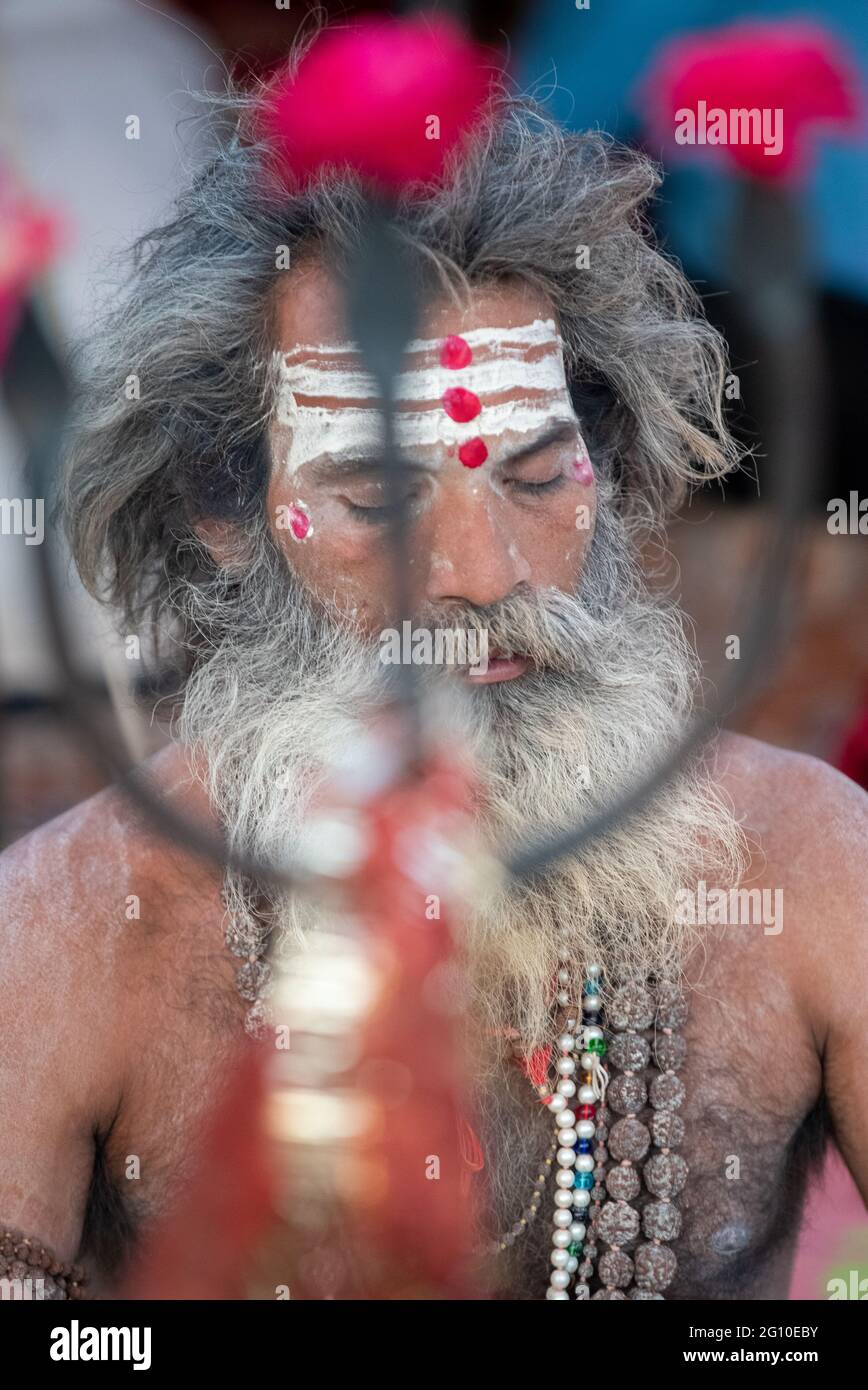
x=166 y=1338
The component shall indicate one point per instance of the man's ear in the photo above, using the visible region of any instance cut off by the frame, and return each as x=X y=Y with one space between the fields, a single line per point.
x=223 y=540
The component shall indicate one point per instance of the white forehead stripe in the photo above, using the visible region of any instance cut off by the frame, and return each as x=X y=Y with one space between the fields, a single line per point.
x=318 y=430
x=526 y=335
x=305 y=379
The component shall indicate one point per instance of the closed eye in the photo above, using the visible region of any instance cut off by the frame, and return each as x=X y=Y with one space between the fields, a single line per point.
x=372 y=515
x=375 y=516
x=535 y=488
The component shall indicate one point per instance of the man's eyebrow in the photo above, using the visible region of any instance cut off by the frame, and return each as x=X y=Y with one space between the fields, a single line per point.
x=331 y=468
x=356 y=463
x=555 y=434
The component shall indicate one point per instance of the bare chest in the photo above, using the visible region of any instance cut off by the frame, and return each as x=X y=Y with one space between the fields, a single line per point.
x=755 y=1130
x=755 y=1133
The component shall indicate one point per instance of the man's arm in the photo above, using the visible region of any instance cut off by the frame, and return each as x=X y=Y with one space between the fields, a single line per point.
x=56 y=1074
x=809 y=828
x=834 y=955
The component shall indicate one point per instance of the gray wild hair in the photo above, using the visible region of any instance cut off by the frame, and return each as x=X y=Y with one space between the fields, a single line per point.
x=516 y=201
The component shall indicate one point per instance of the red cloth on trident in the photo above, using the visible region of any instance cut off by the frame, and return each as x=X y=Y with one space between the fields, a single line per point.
x=402 y=1208
x=414 y=1204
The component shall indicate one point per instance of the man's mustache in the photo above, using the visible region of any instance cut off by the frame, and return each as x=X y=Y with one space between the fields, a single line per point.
x=552 y=629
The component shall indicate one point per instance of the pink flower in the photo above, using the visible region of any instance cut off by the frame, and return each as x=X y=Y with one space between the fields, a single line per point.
x=797 y=70
x=28 y=240
x=389 y=97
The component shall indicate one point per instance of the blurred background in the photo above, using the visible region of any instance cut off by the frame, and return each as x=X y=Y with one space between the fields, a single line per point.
x=72 y=71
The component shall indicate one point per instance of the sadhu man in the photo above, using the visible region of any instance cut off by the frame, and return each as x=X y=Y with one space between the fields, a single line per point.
x=548 y=414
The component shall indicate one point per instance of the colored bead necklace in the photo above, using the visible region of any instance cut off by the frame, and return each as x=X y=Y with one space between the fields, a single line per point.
x=602 y=1143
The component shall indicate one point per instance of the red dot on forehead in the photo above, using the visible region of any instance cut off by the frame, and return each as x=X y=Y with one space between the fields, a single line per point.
x=455 y=352
x=473 y=452
x=460 y=404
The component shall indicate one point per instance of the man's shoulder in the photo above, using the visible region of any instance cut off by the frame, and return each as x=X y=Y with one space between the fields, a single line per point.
x=794 y=801
x=106 y=929
x=64 y=868
x=65 y=1026
x=89 y=898
x=806 y=825
x=78 y=861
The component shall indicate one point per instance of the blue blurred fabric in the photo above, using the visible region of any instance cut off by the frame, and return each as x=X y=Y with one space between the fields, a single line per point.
x=586 y=64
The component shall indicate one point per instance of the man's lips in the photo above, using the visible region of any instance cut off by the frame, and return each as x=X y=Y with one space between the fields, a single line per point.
x=500 y=668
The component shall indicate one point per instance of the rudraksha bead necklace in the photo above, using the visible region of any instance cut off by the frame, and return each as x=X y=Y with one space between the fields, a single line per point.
x=23 y=1258
x=603 y=1141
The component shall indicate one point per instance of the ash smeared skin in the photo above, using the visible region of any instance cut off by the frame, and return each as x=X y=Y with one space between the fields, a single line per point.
x=527 y=357
x=492 y=499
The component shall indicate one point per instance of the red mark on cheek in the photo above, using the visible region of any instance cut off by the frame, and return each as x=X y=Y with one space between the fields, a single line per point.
x=299 y=522
x=473 y=452
x=455 y=353
x=460 y=404
x=583 y=471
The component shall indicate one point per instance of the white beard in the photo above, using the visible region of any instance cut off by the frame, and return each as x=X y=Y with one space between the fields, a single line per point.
x=288 y=688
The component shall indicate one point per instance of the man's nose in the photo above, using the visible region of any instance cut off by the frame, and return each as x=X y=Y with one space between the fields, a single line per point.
x=473 y=555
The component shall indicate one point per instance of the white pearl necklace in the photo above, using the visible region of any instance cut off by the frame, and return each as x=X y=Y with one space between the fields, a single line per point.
x=571 y=1199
